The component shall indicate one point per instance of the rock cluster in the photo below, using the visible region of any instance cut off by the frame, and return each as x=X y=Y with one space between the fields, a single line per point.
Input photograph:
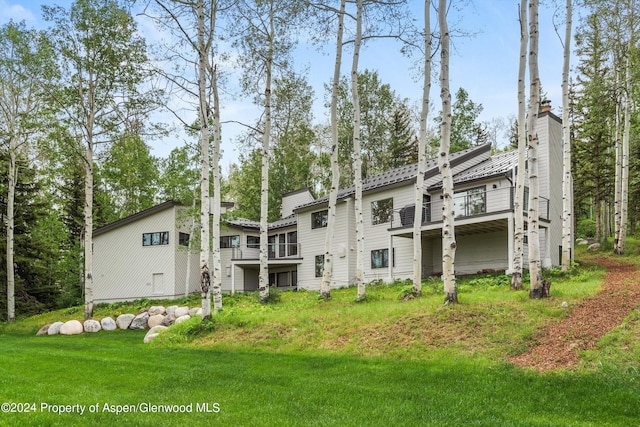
x=156 y=319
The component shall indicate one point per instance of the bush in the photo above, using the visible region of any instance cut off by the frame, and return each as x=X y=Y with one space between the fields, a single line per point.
x=586 y=228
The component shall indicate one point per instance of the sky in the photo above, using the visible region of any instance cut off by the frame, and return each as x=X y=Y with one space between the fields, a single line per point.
x=485 y=64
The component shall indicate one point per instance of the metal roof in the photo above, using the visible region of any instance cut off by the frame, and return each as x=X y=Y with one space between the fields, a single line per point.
x=398 y=175
x=495 y=165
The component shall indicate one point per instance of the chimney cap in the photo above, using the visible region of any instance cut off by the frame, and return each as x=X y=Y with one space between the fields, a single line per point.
x=545 y=105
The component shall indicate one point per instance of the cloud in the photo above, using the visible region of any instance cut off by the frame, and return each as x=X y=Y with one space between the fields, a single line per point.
x=15 y=12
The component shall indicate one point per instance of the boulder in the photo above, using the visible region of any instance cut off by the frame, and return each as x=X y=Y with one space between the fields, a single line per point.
x=155 y=320
x=54 y=328
x=193 y=311
x=594 y=247
x=108 y=324
x=124 y=320
x=171 y=312
x=182 y=319
x=582 y=241
x=43 y=331
x=141 y=321
x=72 y=327
x=199 y=312
x=181 y=311
x=156 y=309
x=148 y=337
x=153 y=332
x=92 y=326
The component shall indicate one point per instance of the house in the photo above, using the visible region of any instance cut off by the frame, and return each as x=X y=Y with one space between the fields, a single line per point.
x=484 y=207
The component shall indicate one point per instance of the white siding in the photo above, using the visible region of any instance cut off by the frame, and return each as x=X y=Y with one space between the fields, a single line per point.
x=124 y=269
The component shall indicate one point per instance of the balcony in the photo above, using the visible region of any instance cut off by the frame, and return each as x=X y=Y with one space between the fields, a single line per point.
x=467 y=204
x=276 y=251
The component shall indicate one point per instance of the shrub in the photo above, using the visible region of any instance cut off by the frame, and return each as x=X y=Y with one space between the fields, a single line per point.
x=586 y=228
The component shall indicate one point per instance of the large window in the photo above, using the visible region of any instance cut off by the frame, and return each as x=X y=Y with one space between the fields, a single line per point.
x=319 y=219
x=229 y=242
x=470 y=202
x=380 y=258
x=319 y=265
x=381 y=211
x=293 y=243
x=155 y=239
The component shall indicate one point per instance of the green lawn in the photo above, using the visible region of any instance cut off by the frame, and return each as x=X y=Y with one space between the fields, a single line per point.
x=260 y=388
x=303 y=361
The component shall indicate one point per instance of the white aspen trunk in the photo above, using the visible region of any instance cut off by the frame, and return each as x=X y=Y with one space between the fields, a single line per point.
x=518 y=203
x=325 y=286
x=357 y=156
x=624 y=184
x=88 y=231
x=205 y=207
x=217 y=198
x=567 y=196
x=448 y=214
x=12 y=179
x=422 y=143
x=189 y=249
x=263 y=280
x=535 y=272
x=617 y=204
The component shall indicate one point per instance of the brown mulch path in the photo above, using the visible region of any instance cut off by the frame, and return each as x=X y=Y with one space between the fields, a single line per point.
x=559 y=343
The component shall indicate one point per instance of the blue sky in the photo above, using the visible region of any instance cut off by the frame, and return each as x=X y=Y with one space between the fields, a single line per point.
x=485 y=64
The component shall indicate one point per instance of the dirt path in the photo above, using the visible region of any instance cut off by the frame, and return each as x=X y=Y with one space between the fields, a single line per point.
x=559 y=344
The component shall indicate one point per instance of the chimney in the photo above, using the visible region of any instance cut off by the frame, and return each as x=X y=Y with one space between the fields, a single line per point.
x=545 y=106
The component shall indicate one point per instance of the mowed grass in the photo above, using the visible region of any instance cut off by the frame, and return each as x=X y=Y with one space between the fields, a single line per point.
x=304 y=361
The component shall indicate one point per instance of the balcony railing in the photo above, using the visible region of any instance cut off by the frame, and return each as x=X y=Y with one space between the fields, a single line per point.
x=275 y=251
x=467 y=204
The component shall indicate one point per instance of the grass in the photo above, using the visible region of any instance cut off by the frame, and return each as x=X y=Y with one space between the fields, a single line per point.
x=306 y=361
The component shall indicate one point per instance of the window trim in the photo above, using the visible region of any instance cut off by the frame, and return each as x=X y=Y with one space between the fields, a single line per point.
x=382 y=251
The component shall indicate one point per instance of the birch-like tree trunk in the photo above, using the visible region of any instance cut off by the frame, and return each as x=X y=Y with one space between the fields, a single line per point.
x=567 y=196
x=357 y=158
x=217 y=198
x=624 y=175
x=205 y=206
x=518 y=246
x=535 y=271
x=88 y=226
x=263 y=282
x=448 y=214
x=12 y=179
x=617 y=201
x=422 y=144
x=327 y=274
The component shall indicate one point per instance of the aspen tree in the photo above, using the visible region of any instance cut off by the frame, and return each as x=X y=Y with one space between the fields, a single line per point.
x=518 y=253
x=448 y=214
x=422 y=144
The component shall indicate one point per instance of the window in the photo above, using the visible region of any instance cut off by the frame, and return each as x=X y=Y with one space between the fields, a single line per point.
x=229 y=241
x=183 y=239
x=319 y=219
x=470 y=202
x=293 y=243
x=253 y=242
x=381 y=211
x=282 y=246
x=380 y=258
x=319 y=265
x=155 y=239
x=271 y=250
